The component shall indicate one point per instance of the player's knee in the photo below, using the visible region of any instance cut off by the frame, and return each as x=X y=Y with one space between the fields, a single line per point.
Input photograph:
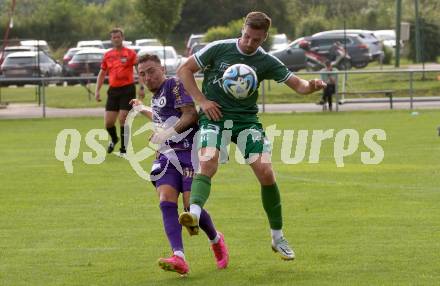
x=165 y=197
x=266 y=176
x=208 y=168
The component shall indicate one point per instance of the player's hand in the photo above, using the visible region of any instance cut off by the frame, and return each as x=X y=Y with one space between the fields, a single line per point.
x=316 y=84
x=135 y=102
x=162 y=136
x=211 y=109
x=97 y=96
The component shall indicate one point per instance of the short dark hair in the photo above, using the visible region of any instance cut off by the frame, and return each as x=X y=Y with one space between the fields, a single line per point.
x=117 y=30
x=147 y=57
x=258 y=21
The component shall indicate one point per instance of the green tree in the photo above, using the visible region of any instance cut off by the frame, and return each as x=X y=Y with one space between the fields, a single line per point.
x=160 y=16
x=200 y=15
x=429 y=38
x=313 y=22
x=123 y=13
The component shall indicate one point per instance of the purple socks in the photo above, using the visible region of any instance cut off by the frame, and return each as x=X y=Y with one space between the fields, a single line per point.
x=173 y=229
x=206 y=225
x=171 y=225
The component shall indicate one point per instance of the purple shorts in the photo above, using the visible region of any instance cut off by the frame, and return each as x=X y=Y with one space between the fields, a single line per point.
x=165 y=172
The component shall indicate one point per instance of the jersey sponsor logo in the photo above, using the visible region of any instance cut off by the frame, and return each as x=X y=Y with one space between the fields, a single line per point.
x=124 y=60
x=223 y=66
x=159 y=102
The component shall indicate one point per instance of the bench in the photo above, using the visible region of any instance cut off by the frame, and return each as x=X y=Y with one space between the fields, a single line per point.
x=387 y=93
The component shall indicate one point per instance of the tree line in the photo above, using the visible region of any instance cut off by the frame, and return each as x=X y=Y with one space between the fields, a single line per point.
x=64 y=22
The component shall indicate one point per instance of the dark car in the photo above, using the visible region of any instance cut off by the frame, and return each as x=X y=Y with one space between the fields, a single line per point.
x=68 y=56
x=28 y=65
x=354 y=44
x=294 y=58
x=367 y=37
x=196 y=47
x=86 y=62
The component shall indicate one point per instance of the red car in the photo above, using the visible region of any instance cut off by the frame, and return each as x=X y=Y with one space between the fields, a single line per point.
x=85 y=63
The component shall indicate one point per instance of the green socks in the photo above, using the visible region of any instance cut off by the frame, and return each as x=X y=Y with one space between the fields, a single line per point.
x=200 y=189
x=270 y=195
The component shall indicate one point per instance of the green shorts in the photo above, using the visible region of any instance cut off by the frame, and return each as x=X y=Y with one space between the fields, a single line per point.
x=249 y=137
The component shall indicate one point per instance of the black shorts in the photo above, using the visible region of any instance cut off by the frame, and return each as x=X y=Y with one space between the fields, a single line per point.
x=329 y=90
x=119 y=97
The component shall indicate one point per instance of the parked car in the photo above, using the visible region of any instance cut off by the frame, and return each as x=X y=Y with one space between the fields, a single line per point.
x=147 y=42
x=107 y=44
x=367 y=36
x=388 y=38
x=68 y=56
x=14 y=49
x=292 y=56
x=355 y=46
x=134 y=48
x=170 y=59
x=86 y=62
x=279 y=41
x=38 y=44
x=193 y=39
x=196 y=47
x=29 y=64
x=90 y=44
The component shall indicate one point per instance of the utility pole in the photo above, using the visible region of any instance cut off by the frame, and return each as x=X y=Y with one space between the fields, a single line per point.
x=8 y=28
x=418 y=43
x=398 y=20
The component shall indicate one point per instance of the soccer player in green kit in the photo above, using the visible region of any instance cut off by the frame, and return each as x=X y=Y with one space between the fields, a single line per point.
x=220 y=111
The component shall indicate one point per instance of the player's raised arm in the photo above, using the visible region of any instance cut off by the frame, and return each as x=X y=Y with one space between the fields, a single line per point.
x=303 y=86
x=189 y=118
x=137 y=104
x=186 y=74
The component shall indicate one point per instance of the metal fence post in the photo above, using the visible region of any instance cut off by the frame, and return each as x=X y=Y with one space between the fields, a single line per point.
x=411 y=90
x=263 y=95
x=337 y=93
x=43 y=98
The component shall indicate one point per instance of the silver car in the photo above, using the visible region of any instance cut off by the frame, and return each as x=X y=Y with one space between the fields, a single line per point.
x=168 y=56
x=28 y=65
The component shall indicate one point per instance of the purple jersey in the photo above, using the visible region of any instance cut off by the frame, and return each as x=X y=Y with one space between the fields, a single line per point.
x=166 y=103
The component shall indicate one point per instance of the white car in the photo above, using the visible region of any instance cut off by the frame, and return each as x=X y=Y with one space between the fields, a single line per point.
x=108 y=44
x=168 y=56
x=388 y=38
x=279 y=41
x=147 y=42
x=28 y=65
x=41 y=44
x=90 y=44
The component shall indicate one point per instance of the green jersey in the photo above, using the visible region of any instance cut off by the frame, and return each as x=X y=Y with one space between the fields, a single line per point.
x=216 y=57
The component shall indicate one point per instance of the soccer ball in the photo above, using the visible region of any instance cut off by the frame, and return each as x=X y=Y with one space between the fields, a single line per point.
x=240 y=81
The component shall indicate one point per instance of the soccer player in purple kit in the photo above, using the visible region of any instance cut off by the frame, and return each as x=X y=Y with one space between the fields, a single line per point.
x=169 y=101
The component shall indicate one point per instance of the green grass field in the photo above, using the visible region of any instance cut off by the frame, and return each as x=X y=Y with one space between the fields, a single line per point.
x=101 y=225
